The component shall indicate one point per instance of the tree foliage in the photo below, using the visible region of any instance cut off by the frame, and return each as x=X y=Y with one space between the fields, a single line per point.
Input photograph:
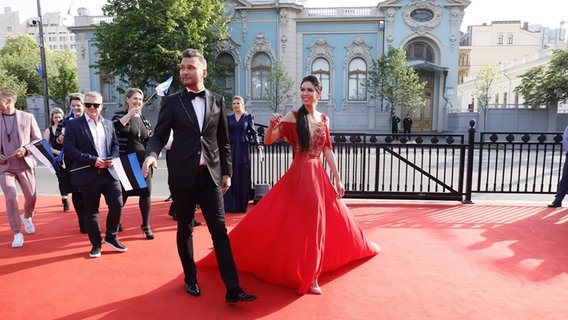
x=280 y=87
x=483 y=92
x=391 y=79
x=20 y=58
x=62 y=76
x=142 y=45
x=19 y=63
x=546 y=85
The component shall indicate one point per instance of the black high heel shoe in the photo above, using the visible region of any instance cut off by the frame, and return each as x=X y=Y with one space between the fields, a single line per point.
x=147 y=232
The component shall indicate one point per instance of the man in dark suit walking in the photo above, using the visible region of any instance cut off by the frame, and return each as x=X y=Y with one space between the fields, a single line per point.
x=199 y=169
x=90 y=141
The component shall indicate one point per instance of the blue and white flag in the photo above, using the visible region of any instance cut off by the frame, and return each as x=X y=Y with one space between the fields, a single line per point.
x=42 y=151
x=129 y=172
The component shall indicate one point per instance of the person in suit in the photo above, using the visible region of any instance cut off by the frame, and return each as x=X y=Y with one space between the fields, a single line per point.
x=91 y=142
x=407 y=124
x=199 y=169
x=17 y=130
x=76 y=104
x=394 y=125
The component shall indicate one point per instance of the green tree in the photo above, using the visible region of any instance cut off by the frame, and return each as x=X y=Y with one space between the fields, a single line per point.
x=19 y=62
x=546 y=85
x=20 y=58
x=391 y=79
x=484 y=88
x=62 y=76
x=280 y=87
x=142 y=45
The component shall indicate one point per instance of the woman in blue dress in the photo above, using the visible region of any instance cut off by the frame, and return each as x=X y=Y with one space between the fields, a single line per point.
x=241 y=131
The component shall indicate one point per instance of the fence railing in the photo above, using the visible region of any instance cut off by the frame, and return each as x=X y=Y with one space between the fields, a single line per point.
x=431 y=166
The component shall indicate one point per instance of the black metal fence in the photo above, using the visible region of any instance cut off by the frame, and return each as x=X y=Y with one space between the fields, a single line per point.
x=432 y=166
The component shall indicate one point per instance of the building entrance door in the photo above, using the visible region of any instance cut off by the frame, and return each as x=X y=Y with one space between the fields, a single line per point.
x=422 y=115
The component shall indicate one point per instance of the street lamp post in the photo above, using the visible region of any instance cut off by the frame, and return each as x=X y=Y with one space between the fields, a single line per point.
x=43 y=65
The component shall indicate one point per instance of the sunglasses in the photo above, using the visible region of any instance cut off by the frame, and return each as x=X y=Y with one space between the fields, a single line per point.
x=92 y=105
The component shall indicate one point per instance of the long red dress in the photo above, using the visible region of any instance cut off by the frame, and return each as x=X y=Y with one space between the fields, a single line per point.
x=299 y=228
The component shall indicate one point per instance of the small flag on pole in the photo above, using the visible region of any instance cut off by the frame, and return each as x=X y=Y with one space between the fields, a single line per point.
x=129 y=172
x=163 y=87
x=42 y=151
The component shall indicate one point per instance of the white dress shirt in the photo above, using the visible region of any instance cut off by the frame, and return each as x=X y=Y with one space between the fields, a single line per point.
x=199 y=107
x=98 y=133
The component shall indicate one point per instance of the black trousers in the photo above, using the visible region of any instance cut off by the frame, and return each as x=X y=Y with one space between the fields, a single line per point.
x=111 y=189
x=209 y=196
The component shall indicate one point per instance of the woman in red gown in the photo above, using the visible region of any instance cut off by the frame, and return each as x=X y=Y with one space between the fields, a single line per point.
x=301 y=227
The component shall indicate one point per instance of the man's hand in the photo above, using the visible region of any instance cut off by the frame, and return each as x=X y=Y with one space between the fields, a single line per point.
x=100 y=163
x=149 y=161
x=20 y=153
x=3 y=159
x=225 y=183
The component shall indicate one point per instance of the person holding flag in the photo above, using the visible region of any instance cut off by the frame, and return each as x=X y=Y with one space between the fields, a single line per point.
x=18 y=129
x=64 y=163
x=90 y=141
x=51 y=134
x=134 y=132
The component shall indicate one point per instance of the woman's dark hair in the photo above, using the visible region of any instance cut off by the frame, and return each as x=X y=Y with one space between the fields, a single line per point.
x=302 y=124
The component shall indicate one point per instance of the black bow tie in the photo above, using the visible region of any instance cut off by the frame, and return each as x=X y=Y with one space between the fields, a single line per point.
x=192 y=94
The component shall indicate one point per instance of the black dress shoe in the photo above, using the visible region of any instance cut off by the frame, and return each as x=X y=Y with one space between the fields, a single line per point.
x=193 y=289
x=555 y=204
x=115 y=244
x=240 y=296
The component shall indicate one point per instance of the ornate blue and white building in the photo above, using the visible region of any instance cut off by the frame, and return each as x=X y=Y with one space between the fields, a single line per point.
x=337 y=44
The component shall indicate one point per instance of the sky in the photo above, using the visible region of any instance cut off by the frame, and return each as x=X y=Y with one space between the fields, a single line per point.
x=548 y=13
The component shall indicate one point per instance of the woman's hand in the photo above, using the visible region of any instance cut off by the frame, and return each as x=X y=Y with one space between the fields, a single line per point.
x=275 y=119
x=340 y=189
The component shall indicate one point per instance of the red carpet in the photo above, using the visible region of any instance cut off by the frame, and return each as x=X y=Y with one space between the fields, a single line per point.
x=439 y=261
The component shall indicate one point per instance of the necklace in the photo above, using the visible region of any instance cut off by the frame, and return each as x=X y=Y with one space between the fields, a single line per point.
x=8 y=134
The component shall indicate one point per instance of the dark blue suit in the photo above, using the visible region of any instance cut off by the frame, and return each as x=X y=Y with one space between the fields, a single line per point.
x=93 y=182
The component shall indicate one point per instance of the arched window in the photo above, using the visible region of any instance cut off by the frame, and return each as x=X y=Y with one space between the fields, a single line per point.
x=320 y=69
x=357 y=78
x=420 y=51
x=260 y=70
x=227 y=71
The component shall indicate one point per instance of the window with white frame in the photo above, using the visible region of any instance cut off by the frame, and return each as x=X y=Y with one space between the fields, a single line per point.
x=227 y=69
x=260 y=70
x=357 y=73
x=320 y=69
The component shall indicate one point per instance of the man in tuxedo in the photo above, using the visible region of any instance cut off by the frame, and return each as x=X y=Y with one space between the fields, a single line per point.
x=91 y=143
x=18 y=129
x=199 y=169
